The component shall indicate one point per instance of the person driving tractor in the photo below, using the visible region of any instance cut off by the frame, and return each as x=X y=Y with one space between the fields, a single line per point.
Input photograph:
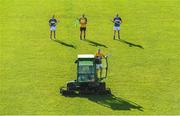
x=98 y=59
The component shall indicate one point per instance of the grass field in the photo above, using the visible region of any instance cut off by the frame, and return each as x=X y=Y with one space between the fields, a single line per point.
x=33 y=68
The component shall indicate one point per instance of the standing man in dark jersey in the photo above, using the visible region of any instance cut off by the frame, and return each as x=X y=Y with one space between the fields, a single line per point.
x=117 y=22
x=52 y=24
x=83 y=22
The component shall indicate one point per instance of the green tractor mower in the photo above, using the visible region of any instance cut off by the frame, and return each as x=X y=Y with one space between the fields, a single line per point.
x=88 y=81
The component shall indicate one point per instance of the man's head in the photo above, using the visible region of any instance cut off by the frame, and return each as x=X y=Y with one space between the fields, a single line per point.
x=83 y=15
x=53 y=16
x=117 y=15
x=99 y=50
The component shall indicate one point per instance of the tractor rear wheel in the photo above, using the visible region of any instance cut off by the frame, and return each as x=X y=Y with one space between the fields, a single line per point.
x=102 y=86
x=108 y=91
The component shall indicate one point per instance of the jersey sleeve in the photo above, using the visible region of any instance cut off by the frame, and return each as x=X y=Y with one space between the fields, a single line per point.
x=120 y=19
x=114 y=19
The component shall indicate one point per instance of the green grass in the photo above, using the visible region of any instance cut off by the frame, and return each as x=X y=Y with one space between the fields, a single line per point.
x=32 y=68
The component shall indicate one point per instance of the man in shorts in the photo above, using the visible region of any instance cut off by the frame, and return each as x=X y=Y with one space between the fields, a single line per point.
x=83 y=22
x=117 y=22
x=98 y=59
x=52 y=24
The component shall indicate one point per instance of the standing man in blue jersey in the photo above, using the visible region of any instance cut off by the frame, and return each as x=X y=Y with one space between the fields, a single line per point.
x=52 y=24
x=117 y=22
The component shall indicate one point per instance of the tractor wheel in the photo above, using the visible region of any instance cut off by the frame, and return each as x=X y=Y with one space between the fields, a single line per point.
x=64 y=92
x=102 y=86
x=67 y=93
x=84 y=91
x=108 y=91
x=71 y=86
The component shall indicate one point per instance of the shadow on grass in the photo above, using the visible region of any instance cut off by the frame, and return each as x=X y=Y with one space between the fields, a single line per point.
x=131 y=44
x=96 y=44
x=112 y=102
x=65 y=44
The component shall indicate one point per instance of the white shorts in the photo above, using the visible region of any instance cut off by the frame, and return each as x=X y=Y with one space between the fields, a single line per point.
x=116 y=28
x=52 y=28
x=98 y=66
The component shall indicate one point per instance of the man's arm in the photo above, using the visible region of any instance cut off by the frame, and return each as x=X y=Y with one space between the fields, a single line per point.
x=113 y=20
x=120 y=20
x=86 y=20
x=49 y=22
x=55 y=21
x=103 y=55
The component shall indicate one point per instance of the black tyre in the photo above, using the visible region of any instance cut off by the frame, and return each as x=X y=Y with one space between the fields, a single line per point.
x=108 y=91
x=71 y=86
x=102 y=87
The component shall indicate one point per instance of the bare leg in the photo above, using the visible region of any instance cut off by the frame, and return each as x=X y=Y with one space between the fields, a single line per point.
x=84 y=35
x=119 y=34
x=81 y=35
x=100 y=72
x=114 y=34
x=51 y=35
x=54 y=34
x=97 y=72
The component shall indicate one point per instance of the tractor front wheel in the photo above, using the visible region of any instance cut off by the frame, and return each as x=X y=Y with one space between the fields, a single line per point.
x=71 y=86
